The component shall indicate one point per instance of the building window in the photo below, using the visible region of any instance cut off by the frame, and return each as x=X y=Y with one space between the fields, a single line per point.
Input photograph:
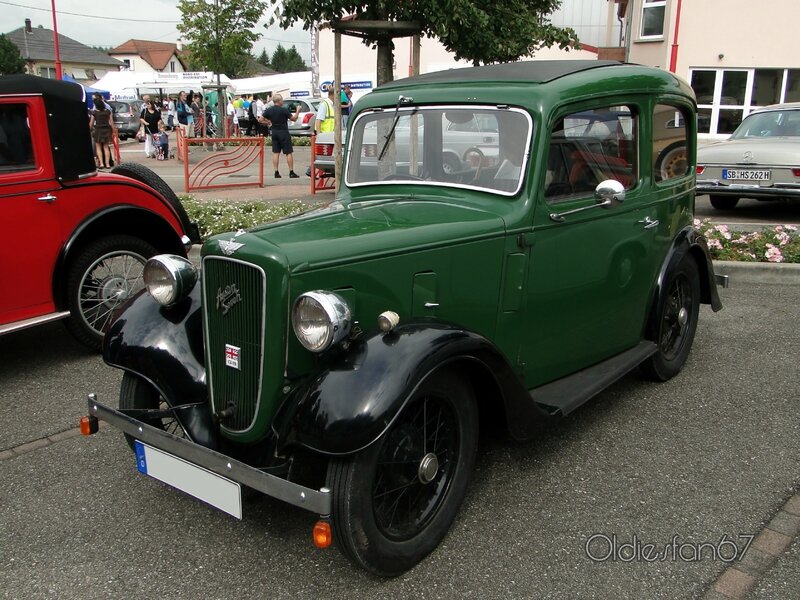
x=726 y=96
x=653 y=18
x=49 y=72
x=127 y=62
x=172 y=66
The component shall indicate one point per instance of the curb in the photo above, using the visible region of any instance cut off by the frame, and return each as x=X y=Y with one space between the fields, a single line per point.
x=738 y=580
x=752 y=272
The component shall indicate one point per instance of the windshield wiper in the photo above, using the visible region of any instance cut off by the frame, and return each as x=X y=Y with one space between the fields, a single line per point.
x=388 y=137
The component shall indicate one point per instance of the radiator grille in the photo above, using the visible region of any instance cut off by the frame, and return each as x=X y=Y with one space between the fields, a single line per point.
x=235 y=308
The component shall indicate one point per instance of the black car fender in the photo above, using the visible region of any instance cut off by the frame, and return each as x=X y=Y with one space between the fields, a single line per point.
x=688 y=242
x=161 y=345
x=350 y=404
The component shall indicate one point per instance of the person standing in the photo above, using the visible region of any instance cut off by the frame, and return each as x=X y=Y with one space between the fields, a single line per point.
x=102 y=127
x=197 y=115
x=347 y=105
x=278 y=118
x=150 y=120
x=183 y=112
x=325 y=113
x=171 y=113
x=252 y=122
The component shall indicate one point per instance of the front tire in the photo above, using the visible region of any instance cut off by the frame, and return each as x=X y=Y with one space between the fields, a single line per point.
x=675 y=324
x=394 y=501
x=136 y=393
x=103 y=275
x=723 y=202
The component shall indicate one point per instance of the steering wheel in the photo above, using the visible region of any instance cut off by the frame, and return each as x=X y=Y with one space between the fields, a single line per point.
x=474 y=156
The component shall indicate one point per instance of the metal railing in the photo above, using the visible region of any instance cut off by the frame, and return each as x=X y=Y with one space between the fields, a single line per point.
x=225 y=157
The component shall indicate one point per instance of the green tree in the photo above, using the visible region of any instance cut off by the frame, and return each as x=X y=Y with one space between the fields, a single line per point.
x=278 y=58
x=482 y=32
x=263 y=58
x=10 y=59
x=287 y=61
x=220 y=34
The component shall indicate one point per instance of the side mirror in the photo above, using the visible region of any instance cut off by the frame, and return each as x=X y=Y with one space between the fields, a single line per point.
x=609 y=193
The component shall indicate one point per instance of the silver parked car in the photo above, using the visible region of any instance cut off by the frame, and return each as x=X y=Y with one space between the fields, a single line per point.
x=760 y=160
x=126 y=117
x=308 y=115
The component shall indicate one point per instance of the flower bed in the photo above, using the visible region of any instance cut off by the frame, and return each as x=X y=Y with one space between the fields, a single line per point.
x=220 y=216
x=770 y=244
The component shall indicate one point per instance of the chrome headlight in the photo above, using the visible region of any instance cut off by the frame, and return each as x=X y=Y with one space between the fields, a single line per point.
x=169 y=278
x=320 y=320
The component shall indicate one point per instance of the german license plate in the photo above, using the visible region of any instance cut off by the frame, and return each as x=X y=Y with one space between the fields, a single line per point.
x=746 y=174
x=213 y=489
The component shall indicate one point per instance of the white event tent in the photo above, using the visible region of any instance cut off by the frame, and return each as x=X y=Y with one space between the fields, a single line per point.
x=287 y=84
x=130 y=85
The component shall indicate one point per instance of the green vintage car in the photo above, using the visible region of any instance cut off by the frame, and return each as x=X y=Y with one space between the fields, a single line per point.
x=346 y=360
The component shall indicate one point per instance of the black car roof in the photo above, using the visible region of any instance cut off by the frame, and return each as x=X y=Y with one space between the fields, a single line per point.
x=531 y=71
x=68 y=121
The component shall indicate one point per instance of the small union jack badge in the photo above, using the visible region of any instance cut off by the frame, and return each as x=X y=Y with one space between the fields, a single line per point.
x=232 y=354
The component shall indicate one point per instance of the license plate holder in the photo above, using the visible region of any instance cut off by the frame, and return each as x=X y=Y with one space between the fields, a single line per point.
x=746 y=174
x=213 y=489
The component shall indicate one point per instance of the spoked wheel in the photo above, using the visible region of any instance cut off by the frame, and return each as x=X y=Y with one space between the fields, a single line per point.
x=136 y=393
x=103 y=276
x=676 y=324
x=395 y=501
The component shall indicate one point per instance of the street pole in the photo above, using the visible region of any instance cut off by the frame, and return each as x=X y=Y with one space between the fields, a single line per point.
x=55 y=41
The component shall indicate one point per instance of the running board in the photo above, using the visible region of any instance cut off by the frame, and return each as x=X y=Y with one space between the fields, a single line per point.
x=32 y=322
x=568 y=393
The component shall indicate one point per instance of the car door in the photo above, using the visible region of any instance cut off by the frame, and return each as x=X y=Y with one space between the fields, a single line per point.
x=29 y=211
x=590 y=269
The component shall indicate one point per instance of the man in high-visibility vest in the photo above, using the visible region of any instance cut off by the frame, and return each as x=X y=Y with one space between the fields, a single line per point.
x=325 y=115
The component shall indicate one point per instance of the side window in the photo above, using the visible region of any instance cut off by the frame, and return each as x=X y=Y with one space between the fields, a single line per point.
x=16 y=149
x=669 y=143
x=589 y=147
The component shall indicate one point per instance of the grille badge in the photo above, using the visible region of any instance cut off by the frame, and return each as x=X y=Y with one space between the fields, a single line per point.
x=228 y=297
x=232 y=355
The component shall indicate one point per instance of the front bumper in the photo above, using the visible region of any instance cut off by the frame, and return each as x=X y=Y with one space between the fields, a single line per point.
x=317 y=501
x=717 y=188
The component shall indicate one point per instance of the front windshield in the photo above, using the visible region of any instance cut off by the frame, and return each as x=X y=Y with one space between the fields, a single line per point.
x=774 y=123
x=462 y=146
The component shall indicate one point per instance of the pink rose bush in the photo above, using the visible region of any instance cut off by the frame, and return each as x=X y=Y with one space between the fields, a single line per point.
x=770 y=244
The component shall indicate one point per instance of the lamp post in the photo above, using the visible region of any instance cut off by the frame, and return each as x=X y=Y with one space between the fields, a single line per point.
x=55 y=41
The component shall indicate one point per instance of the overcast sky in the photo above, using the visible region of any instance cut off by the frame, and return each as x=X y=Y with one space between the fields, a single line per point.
x=112 y=22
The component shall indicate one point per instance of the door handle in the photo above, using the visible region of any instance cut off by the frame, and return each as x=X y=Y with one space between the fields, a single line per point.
x=49 y=198
x=648 y=223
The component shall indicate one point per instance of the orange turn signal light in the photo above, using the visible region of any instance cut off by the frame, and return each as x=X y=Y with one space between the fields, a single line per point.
x=322 y=534
x=88 y=425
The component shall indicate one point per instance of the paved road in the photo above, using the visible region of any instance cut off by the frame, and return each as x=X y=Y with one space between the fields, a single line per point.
x=750 y=211
x=715 y=451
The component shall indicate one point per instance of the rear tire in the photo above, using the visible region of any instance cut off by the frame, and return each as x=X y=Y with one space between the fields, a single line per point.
x=136 y=393
x=723 y=202
x=675 y=324
x=149 y=178
x=394 y=501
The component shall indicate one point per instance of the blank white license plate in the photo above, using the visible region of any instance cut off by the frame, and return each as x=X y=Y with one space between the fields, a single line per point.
x=213 y=489
x=746 y=174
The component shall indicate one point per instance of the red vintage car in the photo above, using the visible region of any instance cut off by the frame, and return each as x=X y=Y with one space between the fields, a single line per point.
x=75 y=240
